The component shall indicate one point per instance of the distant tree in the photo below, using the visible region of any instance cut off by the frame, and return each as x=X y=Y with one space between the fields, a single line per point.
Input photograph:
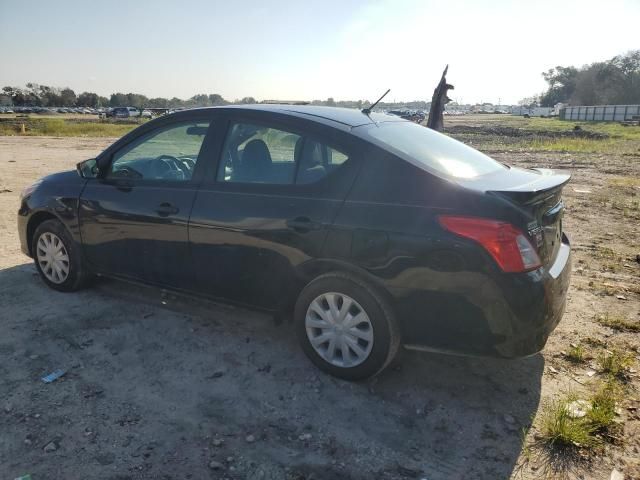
x=175 y=102
x=562 y=84
x=529 y=102
x=103 y=102
x=118 y=100
x=136 y=100
x=16 y=94
x=216 y=99
x=87 y=99
x=199 y=100
x=67 y=98
x=158 y=102
x=615 y=81
x=248 y=100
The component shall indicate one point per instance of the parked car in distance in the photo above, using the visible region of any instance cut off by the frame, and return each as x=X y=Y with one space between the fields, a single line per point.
x=123 y=112
x=146 y=114
x=371 y=231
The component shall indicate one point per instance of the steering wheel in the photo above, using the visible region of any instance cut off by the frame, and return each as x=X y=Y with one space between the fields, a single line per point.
x=125 y=171
x=167 y=167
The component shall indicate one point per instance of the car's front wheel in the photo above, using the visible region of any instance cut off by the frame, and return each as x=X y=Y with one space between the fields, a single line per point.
x=57 y=257
x=346 y=327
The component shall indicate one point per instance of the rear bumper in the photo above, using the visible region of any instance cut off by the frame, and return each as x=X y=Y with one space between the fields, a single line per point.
x=509 y=316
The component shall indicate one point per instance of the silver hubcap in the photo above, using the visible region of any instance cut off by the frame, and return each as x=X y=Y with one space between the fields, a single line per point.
x=53 y=257
x=339 y=329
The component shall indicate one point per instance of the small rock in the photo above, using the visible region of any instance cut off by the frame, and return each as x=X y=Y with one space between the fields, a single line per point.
x=553 y=370
x=7 y=408
x=50 y=447
x=250 y=438
x=590 y=373
x=217 y=442
x=510 y=419
x=213 y=465
x=621 y=297
x=34 y=357
x=230 y=459
x=27 y=441
x=578 y=408
x=616 y=475
x=305 y=436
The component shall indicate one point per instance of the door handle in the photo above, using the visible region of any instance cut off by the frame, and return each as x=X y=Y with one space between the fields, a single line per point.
x=165 y=209
x=124 y=185
x=303 y=224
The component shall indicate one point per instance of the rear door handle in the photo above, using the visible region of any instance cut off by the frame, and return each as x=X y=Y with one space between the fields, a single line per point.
x=165 y=209
x=303 y=224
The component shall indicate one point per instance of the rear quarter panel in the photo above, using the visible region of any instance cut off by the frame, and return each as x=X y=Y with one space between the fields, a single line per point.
x=445 y=289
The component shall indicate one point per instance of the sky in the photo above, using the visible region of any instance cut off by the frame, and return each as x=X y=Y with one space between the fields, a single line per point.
x=308 y=49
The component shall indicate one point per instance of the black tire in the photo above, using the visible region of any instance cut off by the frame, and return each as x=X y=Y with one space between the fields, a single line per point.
x=77 y=276
x=386 y=334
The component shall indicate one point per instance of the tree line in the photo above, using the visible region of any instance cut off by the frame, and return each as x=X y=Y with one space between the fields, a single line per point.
x=612 y=82
x=35 y=95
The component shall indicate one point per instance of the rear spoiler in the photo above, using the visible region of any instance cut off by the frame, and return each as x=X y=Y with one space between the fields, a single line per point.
x=545 y=184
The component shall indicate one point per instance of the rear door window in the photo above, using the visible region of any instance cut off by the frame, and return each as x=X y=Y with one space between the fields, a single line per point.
x=260 y=154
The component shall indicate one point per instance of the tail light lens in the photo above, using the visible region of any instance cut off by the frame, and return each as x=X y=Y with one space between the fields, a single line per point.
x=508 y=246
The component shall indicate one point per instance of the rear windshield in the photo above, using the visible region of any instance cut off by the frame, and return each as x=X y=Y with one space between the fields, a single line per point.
x=431 y=150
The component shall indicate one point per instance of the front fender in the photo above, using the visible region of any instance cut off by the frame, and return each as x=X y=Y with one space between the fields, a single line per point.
x=56 y=197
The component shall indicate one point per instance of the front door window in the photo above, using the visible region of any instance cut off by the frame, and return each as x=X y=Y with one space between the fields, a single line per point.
x=167 y=154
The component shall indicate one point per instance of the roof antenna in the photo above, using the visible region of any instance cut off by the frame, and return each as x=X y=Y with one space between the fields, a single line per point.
x=367 y=111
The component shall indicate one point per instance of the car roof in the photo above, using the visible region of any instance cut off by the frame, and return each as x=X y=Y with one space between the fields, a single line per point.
x=336 y=116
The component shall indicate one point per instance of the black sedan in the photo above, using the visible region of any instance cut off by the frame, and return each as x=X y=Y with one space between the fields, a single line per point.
x=370 y=231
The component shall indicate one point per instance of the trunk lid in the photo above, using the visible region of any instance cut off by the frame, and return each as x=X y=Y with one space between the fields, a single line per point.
x=538 y=194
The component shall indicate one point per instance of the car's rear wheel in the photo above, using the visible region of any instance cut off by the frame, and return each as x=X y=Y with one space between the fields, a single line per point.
x=57 y=257
x=346 y=327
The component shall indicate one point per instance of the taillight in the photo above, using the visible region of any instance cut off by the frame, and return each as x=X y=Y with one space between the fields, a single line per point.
x=508 y=246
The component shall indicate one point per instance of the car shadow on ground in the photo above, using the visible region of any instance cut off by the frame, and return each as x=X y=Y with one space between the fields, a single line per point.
x=159 y=384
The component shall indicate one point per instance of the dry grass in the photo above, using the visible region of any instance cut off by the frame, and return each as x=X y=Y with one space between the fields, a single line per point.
x=618 y=322
x=58 y=127
x=615 y=363
x=576 y=353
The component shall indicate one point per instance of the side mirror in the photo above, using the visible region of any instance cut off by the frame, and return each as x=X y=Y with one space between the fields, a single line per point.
x=88 y=168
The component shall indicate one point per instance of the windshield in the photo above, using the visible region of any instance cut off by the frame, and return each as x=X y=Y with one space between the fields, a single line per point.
x=427 y=148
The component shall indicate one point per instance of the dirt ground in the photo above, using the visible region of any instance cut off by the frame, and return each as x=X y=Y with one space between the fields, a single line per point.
x=160 y=387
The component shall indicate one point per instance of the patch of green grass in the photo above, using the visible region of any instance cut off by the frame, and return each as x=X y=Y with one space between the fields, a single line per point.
x=575 y=145
x=616 y=139
x=618 y=322
x=576 y=353
x=613 y=129
x=58 y=127
x=603 y=407
x=625 y=182
x=560 y=429
x=615 y=363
